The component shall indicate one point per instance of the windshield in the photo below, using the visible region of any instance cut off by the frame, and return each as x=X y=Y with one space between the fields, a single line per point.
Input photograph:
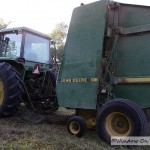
x=36 y=48
x=14 y=45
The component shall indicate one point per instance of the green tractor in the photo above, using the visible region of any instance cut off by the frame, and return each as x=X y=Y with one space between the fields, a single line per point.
x=25 y=71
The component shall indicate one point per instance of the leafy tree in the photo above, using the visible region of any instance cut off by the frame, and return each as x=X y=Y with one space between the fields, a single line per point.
x=11 y=46
x=59 y=36
x=2 y=24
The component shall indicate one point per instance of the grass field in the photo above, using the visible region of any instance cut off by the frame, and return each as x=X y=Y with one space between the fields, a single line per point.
x=47 y=132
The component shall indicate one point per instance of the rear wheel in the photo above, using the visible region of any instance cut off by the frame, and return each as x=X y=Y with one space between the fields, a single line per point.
x=1 y=91
x=120 y=118
x=118 y=124
x=10 y=93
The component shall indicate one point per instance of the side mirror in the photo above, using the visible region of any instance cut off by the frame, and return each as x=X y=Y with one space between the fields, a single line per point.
x=7 y=40
x=1 y=38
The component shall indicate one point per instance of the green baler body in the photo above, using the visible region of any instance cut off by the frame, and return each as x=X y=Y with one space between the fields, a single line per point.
x=133 y=54
x=123 y=31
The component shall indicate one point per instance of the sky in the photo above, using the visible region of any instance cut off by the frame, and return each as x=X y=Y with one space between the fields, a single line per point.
x=43 y=15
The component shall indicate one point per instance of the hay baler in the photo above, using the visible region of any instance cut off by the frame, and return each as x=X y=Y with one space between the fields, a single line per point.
x=105 y=71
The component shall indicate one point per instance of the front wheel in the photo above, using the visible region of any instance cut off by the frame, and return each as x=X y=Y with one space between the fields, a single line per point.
x=77 y=126
x=10 y=93
x=120 y=118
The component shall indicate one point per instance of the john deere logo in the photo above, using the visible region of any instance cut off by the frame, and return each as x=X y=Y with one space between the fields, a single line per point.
x=78 y=80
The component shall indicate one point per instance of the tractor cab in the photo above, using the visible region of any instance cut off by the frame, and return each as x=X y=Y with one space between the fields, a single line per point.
x=25 y=43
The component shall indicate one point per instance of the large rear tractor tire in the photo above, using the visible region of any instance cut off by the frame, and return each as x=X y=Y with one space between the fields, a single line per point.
x=120 y=117
x=10 y=93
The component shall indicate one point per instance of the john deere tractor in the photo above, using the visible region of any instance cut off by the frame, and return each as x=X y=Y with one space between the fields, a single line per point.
x=26 y=74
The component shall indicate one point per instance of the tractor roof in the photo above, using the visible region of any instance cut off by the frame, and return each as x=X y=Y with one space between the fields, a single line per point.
x=20 y=29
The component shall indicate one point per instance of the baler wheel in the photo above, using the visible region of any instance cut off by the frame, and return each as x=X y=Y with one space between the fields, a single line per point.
x=120 y=117
x=77 y=126
x=10 y=92
x=118 y=123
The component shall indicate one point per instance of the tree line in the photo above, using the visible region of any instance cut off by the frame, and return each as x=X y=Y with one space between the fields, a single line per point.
x=58 y=35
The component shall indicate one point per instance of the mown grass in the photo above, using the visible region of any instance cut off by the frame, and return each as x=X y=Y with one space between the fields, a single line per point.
x=22 y=132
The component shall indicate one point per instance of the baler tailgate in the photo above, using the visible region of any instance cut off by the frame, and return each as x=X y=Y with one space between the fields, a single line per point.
x=78 y=79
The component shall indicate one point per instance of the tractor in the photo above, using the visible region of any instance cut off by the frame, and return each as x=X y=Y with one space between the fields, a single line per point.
x=26 y=74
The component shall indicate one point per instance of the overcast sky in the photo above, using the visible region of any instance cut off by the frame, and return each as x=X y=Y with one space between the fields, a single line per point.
x=43 y=15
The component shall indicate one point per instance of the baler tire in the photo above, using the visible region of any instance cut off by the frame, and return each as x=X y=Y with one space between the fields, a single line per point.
x=141 y=114
x=120 y=117
x=77 y=126
x=10 y=90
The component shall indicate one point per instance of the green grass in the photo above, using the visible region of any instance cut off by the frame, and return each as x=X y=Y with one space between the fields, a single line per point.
x=25 y=131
